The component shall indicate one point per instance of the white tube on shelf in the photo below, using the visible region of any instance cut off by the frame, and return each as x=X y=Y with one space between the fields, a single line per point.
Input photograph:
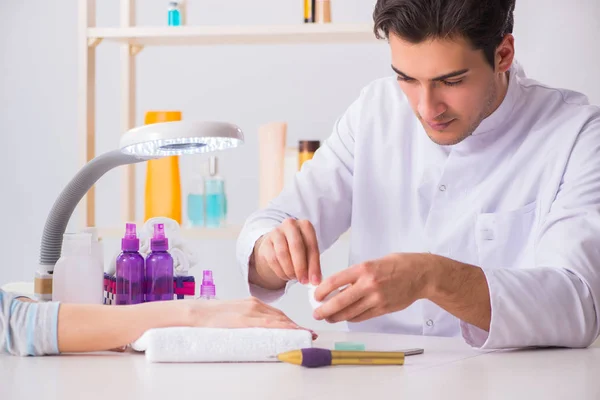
x=271 y=141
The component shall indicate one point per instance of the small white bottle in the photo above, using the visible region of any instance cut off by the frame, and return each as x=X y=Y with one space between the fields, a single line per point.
x=97 y=245
x=78 y=276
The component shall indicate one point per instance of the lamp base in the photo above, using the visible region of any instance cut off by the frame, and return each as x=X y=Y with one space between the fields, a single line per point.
x=42 y=284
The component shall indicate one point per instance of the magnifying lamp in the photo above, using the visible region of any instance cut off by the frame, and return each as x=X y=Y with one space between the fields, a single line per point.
x=137 y=145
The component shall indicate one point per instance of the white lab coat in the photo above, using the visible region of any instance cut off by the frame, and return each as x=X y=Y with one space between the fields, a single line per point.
x=520 y=198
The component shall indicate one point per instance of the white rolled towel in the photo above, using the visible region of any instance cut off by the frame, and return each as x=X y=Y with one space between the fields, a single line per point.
x=182 y=344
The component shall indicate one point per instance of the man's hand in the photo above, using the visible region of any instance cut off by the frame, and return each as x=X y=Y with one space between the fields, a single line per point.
x=394 y=282
x=374 y=288
x=289 y=252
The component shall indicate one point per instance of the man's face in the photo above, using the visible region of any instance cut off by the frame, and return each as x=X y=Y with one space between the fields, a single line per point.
x=451 y=87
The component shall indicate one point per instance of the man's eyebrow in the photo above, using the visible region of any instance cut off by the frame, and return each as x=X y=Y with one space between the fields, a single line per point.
x=437 y=78
x=402 y=74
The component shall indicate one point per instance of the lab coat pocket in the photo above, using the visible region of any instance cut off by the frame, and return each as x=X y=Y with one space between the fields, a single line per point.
x=504 y=239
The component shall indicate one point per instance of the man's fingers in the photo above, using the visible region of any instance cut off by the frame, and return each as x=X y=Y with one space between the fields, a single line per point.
x=368 y=314
x=268 y=253
x=336 y=281
x=282 y=251
x=312 y=251
x=352 y=311
x=297 y=249
x=339 y=303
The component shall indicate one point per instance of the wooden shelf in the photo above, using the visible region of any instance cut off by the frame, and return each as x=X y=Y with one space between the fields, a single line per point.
x=221 y=35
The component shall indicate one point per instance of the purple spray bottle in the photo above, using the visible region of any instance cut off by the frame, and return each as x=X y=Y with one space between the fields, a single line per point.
x=207 y=289
x=130 y=270
x=159 y=267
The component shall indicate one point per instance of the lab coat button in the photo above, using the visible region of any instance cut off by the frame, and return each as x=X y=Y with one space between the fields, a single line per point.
x=442 y=188
x=429 y=322
x=487 y=234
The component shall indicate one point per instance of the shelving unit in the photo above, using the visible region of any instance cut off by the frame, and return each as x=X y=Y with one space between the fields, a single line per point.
x=132 y=39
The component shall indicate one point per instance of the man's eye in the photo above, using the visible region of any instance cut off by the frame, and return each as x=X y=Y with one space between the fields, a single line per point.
x=403 y=79
x=453 y=83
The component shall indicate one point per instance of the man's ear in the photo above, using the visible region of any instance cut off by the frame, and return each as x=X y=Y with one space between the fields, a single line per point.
x=505 y=54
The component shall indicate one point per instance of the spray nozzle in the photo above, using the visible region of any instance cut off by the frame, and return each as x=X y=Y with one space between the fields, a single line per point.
x=207 y=278
x=159 y=242
x=130 y=241
x=130 y=231
x=159 y=231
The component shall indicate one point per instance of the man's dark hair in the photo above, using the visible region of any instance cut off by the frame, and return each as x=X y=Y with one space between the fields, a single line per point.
x=484 y=23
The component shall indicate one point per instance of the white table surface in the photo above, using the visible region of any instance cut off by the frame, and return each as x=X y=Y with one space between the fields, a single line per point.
x=449 y=369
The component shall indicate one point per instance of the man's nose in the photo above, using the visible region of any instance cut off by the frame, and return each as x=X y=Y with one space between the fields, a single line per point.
x=430 y=107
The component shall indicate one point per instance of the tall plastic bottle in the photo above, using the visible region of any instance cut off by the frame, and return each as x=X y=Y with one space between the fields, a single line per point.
x=159 y=267
x=78 y=276
x=163 y=182
x=130 y=270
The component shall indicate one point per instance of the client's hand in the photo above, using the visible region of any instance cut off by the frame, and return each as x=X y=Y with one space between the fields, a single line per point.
x=85 y=327
x=246 y=313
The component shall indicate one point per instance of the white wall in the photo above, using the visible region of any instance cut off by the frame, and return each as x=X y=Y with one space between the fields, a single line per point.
x=309 y=86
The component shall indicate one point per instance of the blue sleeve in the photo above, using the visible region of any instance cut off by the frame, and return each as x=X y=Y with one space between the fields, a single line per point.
x=27 y=329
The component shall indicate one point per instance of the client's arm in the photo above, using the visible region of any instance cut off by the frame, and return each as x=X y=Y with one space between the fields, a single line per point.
x=29 y=328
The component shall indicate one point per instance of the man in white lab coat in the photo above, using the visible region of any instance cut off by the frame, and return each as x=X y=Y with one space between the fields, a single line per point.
x=472 y=191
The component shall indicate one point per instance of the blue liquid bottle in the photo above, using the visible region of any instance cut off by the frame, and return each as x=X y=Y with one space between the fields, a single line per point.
x=216 y=200
x=195 y=204
x=174 y=13
x=196 y=199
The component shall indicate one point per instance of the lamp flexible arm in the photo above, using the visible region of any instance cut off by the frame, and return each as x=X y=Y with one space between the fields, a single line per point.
x=63 y=208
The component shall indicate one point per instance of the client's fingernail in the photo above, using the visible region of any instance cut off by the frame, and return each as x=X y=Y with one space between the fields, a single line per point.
x=304 y=280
